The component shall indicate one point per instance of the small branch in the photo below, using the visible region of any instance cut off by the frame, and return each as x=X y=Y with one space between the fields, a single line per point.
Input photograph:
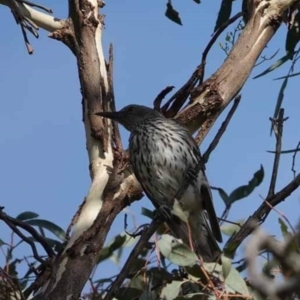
x=13 y=223
x=261 y=214
x=132 y=258
x=214 y=38
x=160 y=97
x=278 y=129
x=111 y=95
x=294 y=159
x=179 y=98
x=222 y=129
x=282 y=216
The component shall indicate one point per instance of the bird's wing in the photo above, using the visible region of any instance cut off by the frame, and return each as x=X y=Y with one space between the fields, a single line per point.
x=205 y=191
x=209 y=207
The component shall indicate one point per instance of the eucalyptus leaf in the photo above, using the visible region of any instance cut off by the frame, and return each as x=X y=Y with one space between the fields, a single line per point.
x=176 y=252
x=236 y=282
x=172 y=14
x=27 y=215
x=245 y=190
x=171 y=290
x=224 y=14
x=55 y=229
x=275 y=66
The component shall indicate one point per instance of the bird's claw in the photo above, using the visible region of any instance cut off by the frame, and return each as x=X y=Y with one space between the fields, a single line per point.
x=163 y=212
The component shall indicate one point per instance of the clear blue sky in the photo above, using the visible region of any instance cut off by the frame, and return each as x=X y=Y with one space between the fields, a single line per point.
x=44 y=166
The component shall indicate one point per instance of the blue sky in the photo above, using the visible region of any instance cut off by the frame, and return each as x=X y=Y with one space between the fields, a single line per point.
x=43 y=158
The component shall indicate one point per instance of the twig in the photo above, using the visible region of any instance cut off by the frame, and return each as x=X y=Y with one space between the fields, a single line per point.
x=179 y=98
x=214 y=38
x=282 y=215
x=278 y=129
x=222 y=129
x=294 y=159
x=160 y=97
x=156 y=222
x=13 y=223
x=132 y=257
x=23 y=21
x=261 y=214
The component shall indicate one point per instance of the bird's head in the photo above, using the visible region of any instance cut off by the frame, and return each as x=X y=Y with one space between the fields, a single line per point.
x=131 y=116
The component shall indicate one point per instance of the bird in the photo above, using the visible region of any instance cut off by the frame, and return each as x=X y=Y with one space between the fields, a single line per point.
x=162 y=151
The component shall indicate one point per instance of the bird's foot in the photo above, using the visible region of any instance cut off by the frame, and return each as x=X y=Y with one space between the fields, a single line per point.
x=191 y=174
x=163 y=212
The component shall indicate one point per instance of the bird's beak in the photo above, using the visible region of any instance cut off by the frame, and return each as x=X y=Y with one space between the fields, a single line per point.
x=108 y=114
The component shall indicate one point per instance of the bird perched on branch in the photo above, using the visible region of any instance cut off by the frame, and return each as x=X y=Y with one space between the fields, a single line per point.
x=161 y=153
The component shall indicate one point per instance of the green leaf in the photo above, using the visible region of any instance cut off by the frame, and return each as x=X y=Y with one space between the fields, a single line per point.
x=276 y=65
x=245 y=190
x=279 y=99
x=171 y=290
x=293 y=36
x=236 y=282
x=172 y=14
x=223 y=195
x=176 y=252
x=226 y=266
x=53 y=228
x=148 y=213
x=2 y=243
x=284 y=228
x=27 y=215
x=108 y=251
x=288 y=76
x=230 y=229
x=224 y=13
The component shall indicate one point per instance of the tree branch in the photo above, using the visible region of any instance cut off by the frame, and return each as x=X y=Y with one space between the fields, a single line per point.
x=260 y=215
x=14 y=224
x=220 y=132
x=210 y=98
x=278 y=130
x=42 y=20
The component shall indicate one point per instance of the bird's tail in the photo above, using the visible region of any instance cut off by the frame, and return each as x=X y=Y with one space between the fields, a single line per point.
x=198 y=233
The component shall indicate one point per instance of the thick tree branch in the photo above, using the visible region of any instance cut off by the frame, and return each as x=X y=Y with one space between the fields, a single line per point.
x=260 y=215
x=42 y=20
x=212 y=97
